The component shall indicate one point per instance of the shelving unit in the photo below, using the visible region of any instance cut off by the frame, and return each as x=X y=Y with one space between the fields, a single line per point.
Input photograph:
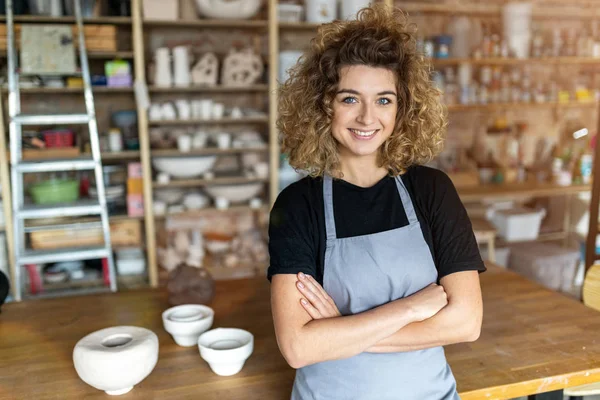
x=272 y=29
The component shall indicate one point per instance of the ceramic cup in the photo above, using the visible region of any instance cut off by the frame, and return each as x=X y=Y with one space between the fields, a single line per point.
x=163 y=178
x=184 y=143
x=218 y=110
x=223 y=140
x=200 y=139
x=221 y=203
x=261 y=170
x=168 y=111
x=226 y=349
x=184 y=109
x=159 y=207
x=163 y=75
x=187 y=322
x=236 y=113
x=206 y=109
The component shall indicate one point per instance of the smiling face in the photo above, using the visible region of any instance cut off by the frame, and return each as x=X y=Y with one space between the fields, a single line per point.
x=364 y=110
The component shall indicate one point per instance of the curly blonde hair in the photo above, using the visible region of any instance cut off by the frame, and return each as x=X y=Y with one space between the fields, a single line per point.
x=379 y=37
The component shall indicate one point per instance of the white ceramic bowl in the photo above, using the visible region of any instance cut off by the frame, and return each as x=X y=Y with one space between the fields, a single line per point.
x=116 y=359
x=184 y=167
x=228 y=9
x=226 y=349
x=187 y=322
x=235 y=193
x=169 y=196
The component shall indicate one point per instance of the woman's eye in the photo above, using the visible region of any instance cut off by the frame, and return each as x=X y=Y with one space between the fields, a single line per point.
x=384 y=101
x=349 y=100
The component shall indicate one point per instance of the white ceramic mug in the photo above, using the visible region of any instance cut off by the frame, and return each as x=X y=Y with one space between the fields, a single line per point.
x=206 y=109
x=163 y=75
x=184 y=109
x=218 y=110
x=223 y=140
x=184 y=143
x=181 y=66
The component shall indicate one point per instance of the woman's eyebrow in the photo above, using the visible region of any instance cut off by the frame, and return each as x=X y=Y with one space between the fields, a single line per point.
x=352 y=91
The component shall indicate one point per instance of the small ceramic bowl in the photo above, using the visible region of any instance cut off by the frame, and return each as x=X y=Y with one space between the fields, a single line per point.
x=226 y=349
x=187 y=322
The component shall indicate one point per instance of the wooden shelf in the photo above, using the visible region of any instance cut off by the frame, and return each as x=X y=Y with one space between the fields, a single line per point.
x=305 y=26
x=98 y=55
x=121 y=155
x=500 y=106
x=208 y=151
x=222 y=121
x=210 y=89
x=71 y=90
x=208 y=182
x=210 y=210
x=541 y=12
x=69 y=19
x=517 y=61
x=207 y=23
x=511 y=191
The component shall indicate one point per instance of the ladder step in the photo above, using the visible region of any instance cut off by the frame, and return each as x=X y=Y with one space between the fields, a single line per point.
x=52 y=119
x=56 y=165
x=67 y=254
x=72 y=226
x=84 y=207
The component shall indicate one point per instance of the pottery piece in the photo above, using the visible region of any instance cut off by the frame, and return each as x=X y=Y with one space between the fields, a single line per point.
x=187 y=322
x=241 y=68
x=236 y=113
x=320 y=11
x=159 y=208
x=221 y=203
x=182 y=242
x=223 y=140
x=155 y=112
x=181 y=66
x=163 y=75
x=235 y=193
x=261 y=169
x=206 y=70
x=168 y=111
x=184 y=109
x=195 y=201
x=199 y=140
x=203 y=109
x=130 y=261
x=218 y=110
x=228 y=9
x=226 y=349
x=163 y=178
x=256 y=203
x=287 y=59
x=169 y=259
x=190 y=285
x=116 y=359
x=184 y=167
x=169 y=196
x=184 y=143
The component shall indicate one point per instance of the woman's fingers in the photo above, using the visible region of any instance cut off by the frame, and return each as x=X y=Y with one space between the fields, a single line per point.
x=324 y=294
x=310 y=309
x=312 y=285
x=314 y=300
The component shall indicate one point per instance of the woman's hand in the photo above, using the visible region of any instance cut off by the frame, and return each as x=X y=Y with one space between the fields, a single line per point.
x=427 y=302
x=316 y=301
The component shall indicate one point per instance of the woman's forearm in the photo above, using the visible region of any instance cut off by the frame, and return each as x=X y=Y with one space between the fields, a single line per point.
x=343 y=337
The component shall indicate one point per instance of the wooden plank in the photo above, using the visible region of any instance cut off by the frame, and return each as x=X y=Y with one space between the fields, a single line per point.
x=140 y=76
x=207 y=182
x=510 y=191
x=533 y=340
x=590 y=243
x=274 y=148
x=220 y=121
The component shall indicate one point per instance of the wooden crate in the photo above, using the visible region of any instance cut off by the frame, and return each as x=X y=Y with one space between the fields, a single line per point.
x=126 y=233
x=97 y=37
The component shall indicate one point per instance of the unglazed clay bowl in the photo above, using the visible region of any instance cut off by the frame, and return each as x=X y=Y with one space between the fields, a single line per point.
x=187 y=322
x=226 y=349
x=116 y=359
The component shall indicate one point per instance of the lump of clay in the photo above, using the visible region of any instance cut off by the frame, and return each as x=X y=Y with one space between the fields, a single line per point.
x=190 y=285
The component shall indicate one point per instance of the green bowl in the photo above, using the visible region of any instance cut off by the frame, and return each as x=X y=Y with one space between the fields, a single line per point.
x=55 y=191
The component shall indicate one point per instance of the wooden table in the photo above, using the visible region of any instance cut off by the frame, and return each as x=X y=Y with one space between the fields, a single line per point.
x=533 y=341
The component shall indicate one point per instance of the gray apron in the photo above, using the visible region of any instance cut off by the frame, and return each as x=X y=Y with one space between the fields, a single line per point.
x=364 y=272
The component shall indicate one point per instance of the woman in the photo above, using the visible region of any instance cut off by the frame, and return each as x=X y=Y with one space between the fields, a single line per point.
x=357 y=247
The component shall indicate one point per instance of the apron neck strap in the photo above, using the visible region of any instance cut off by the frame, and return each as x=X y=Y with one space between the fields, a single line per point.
x=407 y=203
x=328 y=203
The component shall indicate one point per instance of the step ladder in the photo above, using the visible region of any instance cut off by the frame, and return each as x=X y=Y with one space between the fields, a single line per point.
x=25 y=258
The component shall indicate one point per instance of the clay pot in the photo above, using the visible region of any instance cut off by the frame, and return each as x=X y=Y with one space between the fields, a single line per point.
x=190 y=285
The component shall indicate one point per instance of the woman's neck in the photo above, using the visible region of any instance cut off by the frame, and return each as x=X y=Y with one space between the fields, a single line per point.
x=362 y=171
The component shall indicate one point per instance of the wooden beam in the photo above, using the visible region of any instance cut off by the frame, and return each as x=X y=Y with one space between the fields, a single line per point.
x=590 y=246
x=140 y=77
x=274 y=150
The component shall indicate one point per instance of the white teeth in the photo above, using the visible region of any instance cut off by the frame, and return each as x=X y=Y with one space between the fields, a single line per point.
x=363 y=133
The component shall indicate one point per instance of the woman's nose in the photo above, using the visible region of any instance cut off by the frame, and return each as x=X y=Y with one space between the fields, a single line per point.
x=366 y=115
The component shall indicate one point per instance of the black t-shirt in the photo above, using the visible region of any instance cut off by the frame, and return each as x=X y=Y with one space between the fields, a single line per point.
x=297 y=234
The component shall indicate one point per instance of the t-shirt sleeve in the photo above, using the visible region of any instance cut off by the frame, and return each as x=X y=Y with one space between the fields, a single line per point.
x=292 y=245
x=454 y=244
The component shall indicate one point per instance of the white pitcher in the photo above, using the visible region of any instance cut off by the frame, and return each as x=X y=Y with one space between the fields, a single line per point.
x=181 y=66
x=163 y=75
